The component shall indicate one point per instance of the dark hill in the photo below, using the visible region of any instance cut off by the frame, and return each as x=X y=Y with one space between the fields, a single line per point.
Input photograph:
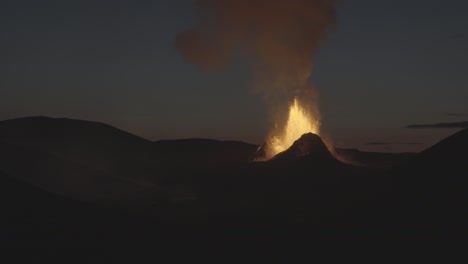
x=72 y=138
x=443 y=168
x=430 y=190
x=210 y=187
x=90 y=144
x=46 y=130
x=452 y=151
x=81 y=159
x=443 y=164
x=95 y=161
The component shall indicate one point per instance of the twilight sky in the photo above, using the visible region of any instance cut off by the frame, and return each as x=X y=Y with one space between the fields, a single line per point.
x=388 y=65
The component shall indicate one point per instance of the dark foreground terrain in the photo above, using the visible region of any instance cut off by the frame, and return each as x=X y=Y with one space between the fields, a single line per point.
x=69 y=183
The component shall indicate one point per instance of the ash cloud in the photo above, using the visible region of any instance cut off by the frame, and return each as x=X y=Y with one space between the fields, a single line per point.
x=278 y=36
x=463 y=124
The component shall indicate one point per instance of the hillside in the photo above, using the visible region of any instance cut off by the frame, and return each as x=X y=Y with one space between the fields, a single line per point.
x=73 y=178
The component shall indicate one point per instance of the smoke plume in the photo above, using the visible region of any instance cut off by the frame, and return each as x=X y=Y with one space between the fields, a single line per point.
x=278 y=36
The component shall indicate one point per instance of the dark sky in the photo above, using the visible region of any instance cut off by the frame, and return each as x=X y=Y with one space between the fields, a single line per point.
x=388 y=65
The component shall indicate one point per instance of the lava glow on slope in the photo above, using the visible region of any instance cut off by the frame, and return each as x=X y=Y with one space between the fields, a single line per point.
x=299 y=122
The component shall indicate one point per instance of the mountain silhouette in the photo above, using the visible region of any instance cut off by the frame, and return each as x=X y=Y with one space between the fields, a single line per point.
x=443 y=167
x=82 y=159
x=89 y=143
x=94 y=161
x=452 y=151
x=443 y=162
x=70 y=177
x=429 y=190
x=59 y=133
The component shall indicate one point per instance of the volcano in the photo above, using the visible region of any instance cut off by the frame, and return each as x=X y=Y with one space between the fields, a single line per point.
x=56 y=173
x=308 y=147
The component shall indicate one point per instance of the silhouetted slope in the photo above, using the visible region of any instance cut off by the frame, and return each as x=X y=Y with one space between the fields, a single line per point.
x=109 y=148
x=447 y=160
x=69 y=178
x=452 y=151
x=32 y=217
x=429 y=192
x=82 y=159
x=425 y=201
x=93 y=143
x=45 y=130
x=17 y=197
x=94 y=161
x=209 y=188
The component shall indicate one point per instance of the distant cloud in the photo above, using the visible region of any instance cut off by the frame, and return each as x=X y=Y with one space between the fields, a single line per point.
x=378 y=143
x=391 y=143
x=463 y=124
x=410 y=143
x=457 y=36
x=454 y=114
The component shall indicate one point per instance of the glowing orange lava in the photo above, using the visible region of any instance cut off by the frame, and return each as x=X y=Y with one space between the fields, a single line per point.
x=300 y=121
